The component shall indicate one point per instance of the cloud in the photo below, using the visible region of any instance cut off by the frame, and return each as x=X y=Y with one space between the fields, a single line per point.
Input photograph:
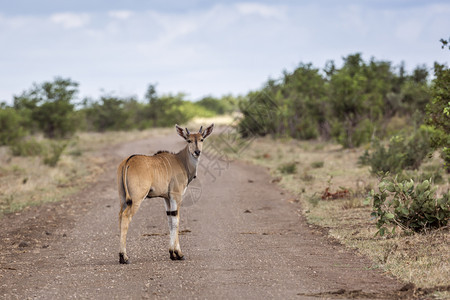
x=265 y=11
x=120 y=14
x=70 y=20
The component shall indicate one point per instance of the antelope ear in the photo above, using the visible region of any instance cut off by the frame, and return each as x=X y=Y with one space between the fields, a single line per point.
x=181 y=132
x=208 y=131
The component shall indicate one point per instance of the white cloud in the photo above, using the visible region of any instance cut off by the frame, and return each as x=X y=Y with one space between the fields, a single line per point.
x=70 y=20
x=265 y=11
x=120 y=14
x=174 y=26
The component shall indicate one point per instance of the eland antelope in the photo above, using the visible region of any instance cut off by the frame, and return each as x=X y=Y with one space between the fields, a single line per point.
x=165 y=175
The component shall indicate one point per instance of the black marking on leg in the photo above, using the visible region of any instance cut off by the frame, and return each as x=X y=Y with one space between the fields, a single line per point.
x=172 y=213
x=129 y=202
x=122 y=259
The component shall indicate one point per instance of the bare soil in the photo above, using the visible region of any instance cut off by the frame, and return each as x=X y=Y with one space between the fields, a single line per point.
x=241 y=236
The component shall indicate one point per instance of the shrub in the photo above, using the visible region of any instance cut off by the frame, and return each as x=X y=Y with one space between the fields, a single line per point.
x=361 y=134
x=54 y=152
x=401 y=153
x=226 y=104
x=29 y=147
x=433 y=173
x=411 y=206
x=11 y=128
x=438 y=111
x=49 y=107
x=50 y=151
x=317 y=164
x=289 y=168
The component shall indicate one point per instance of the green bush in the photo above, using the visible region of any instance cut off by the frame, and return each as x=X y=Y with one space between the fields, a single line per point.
x=361 y=133
x=50 y=151
x=413 y=207
x=289 y=168
x=164 y=111
x=433 y=173
x=108 y=113
x=28 y=147
x=49 y=107
x=401 y=153
x=221 y=106
x=11 y=126
x=317 y=164
x=438 y=111
x=54 y=152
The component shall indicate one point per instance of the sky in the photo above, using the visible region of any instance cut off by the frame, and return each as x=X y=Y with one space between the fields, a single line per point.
x=202 y=48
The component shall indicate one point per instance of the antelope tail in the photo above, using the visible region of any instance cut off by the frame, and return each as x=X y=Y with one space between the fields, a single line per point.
x=125 y=185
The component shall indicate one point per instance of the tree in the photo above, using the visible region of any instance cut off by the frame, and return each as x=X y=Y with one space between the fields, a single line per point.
x=439 y=111
x=49 y=106
x=445 y=43
x=292 y=106
x=11 y=126
x=108 y=114
x=349 y=100
x=152 y=97
x=168 y=110
x=219 y=106
x=363 y=97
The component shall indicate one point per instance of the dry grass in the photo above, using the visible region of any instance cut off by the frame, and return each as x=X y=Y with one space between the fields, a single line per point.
x=28 y=181
x=423 y=259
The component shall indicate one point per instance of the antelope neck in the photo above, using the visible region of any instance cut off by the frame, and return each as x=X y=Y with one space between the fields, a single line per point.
x=189 y=162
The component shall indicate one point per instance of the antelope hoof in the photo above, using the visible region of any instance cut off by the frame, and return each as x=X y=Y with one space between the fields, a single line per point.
x=174 y=255
x=123 y=260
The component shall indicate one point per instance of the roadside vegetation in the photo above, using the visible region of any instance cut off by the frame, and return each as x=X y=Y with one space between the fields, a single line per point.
x=330 y=188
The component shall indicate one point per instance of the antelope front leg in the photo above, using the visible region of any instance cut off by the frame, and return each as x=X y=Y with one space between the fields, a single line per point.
x=173 y=217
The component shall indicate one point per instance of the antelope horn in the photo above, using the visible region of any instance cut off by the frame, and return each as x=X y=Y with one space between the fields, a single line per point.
x=200 y=131
x=187 y=131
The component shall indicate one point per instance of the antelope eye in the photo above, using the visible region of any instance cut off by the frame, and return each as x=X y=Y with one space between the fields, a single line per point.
x=189 y=141
x=201 y=140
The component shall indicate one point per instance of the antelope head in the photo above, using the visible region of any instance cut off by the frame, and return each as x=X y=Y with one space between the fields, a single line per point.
x=194 y=140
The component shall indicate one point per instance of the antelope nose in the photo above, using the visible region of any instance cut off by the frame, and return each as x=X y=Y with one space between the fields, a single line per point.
x=197 y=152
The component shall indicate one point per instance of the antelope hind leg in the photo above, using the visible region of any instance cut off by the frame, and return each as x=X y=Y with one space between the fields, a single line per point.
x=125 y=217
x=173 y=218
x=124 y=221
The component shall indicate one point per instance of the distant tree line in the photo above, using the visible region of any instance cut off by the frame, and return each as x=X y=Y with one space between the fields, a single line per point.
x=353 y=105
x=349 y=104
x=53 y=109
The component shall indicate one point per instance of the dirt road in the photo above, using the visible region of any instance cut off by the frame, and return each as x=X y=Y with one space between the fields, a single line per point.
x=242 y=239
